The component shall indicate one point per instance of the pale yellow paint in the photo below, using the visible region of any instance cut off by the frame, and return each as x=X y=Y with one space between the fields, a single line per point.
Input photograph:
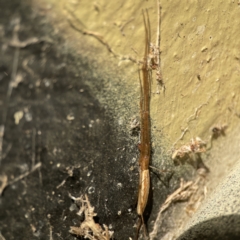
x=198 y=38
x=200 y=56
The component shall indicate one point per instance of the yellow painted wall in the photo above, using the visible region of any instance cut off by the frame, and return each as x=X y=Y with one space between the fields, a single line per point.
x=200 y=55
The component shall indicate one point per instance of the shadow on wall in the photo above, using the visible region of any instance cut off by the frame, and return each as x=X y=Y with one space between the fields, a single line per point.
x=220 y=228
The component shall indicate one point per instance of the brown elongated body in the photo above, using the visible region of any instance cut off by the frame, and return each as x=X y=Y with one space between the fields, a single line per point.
x=145 y=145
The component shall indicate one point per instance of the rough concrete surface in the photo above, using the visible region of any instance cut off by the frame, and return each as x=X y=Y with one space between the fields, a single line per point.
x=69 y=99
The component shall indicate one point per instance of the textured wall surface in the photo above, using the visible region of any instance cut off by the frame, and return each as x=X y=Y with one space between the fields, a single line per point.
x=101 y=42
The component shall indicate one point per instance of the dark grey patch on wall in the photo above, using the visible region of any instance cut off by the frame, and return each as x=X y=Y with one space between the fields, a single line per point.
x=63 y=127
